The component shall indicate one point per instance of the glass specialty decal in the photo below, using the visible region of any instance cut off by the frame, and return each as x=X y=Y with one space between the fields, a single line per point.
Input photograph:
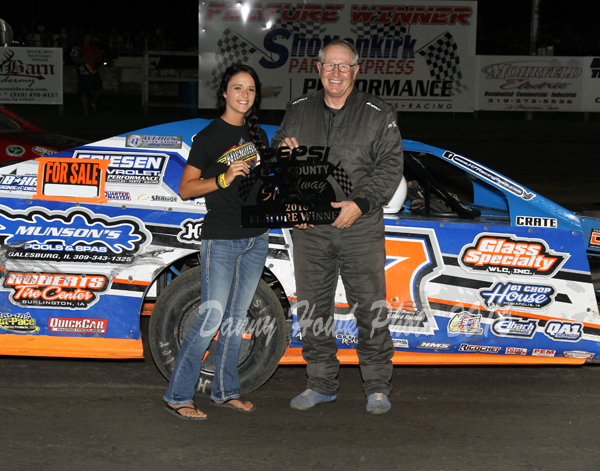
x=509 y=255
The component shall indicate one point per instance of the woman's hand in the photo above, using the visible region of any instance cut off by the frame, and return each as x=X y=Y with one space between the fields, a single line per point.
x=239 y=167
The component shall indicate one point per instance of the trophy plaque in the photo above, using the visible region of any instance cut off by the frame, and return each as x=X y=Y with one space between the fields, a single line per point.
x=284 y=191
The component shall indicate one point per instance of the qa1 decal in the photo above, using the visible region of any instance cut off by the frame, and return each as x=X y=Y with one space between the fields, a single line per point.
x=501 y=254
x=54 y=290
x=412 y=257
x=564 y=331
x=515 y=294
x=75 y=235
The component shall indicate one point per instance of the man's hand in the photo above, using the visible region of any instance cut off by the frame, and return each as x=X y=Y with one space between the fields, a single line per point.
x=290 y=142
x=350 y=213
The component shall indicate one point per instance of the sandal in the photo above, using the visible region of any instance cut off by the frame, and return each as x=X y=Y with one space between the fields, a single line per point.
x=231 y=406
x=175 y=412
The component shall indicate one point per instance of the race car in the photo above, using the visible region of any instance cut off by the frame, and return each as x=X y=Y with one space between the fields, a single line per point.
x=480 y=269
x=21 y=140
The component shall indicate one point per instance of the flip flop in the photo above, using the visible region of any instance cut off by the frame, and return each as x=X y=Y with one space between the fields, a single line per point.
x=231 y=406
x=176 y=413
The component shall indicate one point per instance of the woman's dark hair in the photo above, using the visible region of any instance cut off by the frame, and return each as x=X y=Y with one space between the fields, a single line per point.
x=252 y=113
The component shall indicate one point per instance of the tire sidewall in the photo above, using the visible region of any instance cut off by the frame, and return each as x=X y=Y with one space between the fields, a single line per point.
x=265 y=314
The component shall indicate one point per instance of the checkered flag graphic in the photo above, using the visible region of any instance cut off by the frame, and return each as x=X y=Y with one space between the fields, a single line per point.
x=246 y=185
x=342 y=178
x=232 y=49
x=382 y=30
x=443 y=61
x=308 y=29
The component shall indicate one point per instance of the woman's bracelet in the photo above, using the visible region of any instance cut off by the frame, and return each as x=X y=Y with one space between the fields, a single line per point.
x=221 y=183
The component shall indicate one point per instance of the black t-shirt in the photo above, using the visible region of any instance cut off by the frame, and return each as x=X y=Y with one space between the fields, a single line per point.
x=213 y=149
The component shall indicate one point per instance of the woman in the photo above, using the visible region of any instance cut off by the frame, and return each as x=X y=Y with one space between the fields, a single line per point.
x=232 y=257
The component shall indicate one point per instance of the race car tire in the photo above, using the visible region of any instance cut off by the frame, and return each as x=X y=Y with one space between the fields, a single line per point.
x=264 y=341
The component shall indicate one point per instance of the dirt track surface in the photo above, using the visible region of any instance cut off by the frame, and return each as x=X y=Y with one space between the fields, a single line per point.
x=58 y=414
x=108 y=415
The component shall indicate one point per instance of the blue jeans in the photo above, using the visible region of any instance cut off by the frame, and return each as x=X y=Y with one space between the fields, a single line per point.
x=231 y=270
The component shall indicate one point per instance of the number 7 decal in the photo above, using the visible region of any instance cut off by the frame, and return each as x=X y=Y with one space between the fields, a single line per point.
x=411 y=258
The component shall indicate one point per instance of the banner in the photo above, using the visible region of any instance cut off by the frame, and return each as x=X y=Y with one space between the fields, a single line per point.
x=31 y=75
x=591 y=84
x=418 y=56
x=530 y=83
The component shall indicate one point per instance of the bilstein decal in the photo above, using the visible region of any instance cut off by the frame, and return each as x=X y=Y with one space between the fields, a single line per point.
x=511 y=255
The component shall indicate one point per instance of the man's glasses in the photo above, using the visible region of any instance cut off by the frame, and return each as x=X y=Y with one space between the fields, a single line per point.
x=343 y=68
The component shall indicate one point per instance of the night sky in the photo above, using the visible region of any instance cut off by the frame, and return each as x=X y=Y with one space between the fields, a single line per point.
x=503 y=25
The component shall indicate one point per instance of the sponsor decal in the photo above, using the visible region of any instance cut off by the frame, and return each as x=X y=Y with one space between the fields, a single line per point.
x=118 y=195
x=578 y=354
x=489 y=175
x=529 y=221
x=434 y=345
x=595 y=67
x=595 y=238
x=159 y=198
x=540 y=352
x=77 y=326
x=464 y=347
x=511 y=255
x=406 y=318
x=190 y=231
x=15 y=151
x=516 y=294
x=77 y=235
x=43 y=151
x=564 y=331
x=26 y=183
x=515 y=351
x=514 y=328
x=347 y=339
x=17 y=323
x=465 y=323
x=54 y=290
x=124 y=168
x=142 y=141
x=400 y=343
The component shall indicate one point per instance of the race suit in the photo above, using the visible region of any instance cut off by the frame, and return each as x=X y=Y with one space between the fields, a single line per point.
x=364 y=138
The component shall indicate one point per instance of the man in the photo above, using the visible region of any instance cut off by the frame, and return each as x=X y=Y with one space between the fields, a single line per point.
x=363 y=136
x=87 y=56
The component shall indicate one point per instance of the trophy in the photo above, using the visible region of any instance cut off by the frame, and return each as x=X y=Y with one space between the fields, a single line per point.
x=284 y=191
